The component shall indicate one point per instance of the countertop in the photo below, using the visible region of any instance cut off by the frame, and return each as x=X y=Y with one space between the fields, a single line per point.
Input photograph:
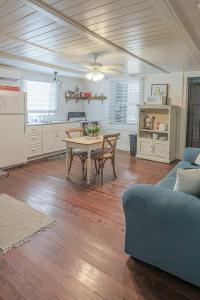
x=51 y=122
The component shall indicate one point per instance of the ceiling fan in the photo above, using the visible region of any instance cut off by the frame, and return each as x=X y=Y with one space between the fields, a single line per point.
x=97 y=70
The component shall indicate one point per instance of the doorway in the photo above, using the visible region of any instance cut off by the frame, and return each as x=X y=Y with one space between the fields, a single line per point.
x=193 y=113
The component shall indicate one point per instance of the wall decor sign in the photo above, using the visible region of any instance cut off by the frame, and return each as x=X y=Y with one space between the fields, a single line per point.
x=159 y=90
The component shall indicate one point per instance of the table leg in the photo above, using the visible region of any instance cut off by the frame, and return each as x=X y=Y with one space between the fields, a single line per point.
x=88 y=166
x=67 y=160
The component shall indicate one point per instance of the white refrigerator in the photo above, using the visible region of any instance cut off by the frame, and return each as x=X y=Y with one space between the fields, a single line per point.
x=12 y=129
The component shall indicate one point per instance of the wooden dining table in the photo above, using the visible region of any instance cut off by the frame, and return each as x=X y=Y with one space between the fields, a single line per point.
x=83 y=143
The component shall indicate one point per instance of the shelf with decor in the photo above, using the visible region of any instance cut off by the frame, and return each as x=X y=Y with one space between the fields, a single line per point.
x=102 y=98
x=78 y=95
x=157 y=132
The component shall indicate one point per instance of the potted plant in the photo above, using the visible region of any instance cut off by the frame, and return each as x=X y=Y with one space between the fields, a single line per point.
x=93 y=131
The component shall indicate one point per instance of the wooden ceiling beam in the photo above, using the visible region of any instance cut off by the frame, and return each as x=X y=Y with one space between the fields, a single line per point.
x=61 y=18
x=38 y=63
x=175 y=20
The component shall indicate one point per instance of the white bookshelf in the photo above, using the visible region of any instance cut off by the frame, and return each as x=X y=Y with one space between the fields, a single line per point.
x=157 y=149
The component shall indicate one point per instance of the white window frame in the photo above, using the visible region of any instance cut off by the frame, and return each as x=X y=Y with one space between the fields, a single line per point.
x=113 y=102
x=41 y=111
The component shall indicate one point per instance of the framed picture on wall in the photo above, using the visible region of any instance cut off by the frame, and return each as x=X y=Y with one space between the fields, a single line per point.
x=159 y=90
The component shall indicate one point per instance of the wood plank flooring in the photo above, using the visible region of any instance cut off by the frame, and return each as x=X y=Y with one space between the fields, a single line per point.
x=82 y=257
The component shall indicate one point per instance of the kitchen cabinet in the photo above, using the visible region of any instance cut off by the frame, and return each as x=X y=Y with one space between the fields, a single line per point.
x=53 y=136
x=33 y=141
x=44 y=139
x=48 y=142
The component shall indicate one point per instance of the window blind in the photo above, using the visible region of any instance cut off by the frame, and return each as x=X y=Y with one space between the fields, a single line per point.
x=41 y=96
x=124 y=95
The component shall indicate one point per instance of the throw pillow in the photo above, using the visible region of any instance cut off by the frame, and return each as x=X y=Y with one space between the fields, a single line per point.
x=188 y=181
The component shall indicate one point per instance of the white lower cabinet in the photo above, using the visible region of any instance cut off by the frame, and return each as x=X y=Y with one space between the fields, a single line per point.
x=153 y=150
x=53 y=142
x=160 y=149
x=48 y=142
x=33 y=141
x=52 y=137
x=44 y=139
x=34 y=150
x=145 y=147
x=59 y=137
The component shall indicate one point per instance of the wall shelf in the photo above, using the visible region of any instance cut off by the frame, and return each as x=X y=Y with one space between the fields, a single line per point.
x=77 y=99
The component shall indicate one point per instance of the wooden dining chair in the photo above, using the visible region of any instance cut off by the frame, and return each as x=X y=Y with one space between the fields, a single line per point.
x=107 y=152
x=74 y=132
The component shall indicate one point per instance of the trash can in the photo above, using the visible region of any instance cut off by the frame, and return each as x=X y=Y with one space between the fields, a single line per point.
x=133 y=144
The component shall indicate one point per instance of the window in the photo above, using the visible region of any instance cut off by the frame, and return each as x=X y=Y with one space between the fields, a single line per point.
x=125 y=94
x=41 y=97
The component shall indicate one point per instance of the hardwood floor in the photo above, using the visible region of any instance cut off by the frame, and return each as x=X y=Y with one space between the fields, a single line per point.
x=82 y=257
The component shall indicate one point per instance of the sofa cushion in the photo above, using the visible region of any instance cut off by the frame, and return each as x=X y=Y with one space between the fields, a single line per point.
x=187 y=181
x=169 y=181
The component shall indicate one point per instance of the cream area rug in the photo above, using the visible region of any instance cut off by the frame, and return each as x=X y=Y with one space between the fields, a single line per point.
x=19 y=222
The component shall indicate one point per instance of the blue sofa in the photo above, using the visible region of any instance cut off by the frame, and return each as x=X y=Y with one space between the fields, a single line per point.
x=163 y=226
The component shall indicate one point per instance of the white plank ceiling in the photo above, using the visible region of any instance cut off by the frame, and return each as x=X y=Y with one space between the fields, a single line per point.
x=34 y=34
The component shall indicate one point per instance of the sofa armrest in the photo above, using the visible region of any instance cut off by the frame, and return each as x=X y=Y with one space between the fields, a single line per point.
x=163 y=229
x=152 y=200
x=190 y=154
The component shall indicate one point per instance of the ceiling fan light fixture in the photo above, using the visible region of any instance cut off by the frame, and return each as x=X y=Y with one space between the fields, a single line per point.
x=95 y=75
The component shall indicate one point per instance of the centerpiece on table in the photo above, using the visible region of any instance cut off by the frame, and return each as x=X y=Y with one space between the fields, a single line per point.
x=92 y=131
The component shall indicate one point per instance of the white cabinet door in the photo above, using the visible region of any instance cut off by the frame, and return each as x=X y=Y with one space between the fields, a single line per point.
x=59 y=144
x=33 y=150
x=48 y=142
x=160 y=149
x=145 y=147
x=53 y=141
